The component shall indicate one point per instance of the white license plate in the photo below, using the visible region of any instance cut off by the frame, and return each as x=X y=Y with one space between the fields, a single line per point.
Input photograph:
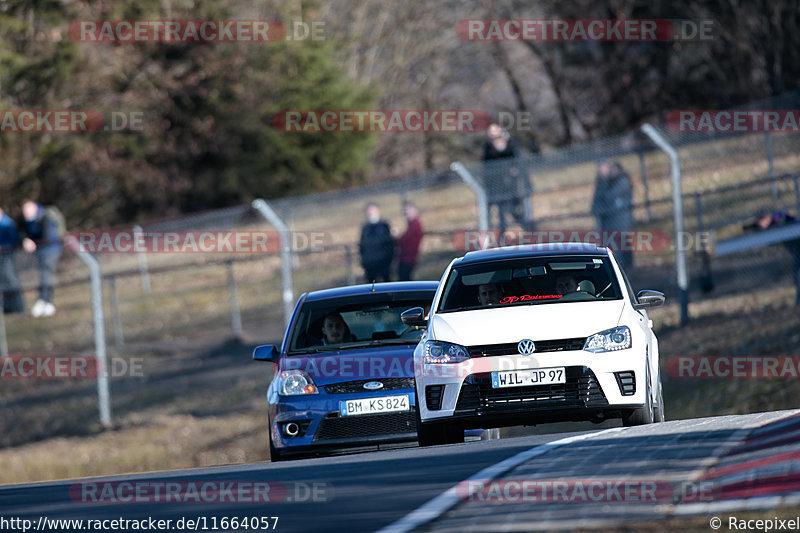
x=522 y=378
x=366 y=406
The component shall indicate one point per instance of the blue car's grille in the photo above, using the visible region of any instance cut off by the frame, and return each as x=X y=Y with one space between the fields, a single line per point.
x=350 y=387
x=350 y=427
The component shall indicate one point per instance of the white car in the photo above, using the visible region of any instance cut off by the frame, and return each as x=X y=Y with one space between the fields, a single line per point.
x=533 y=334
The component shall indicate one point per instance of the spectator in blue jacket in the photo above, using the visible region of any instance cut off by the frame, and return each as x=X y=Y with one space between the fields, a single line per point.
x=44 y=238
x=9 y=283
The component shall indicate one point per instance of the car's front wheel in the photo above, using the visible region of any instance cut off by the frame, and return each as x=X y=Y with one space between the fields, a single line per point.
x=646 y=413
x=434 y=433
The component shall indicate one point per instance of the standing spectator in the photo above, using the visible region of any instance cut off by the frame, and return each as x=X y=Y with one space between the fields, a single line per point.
x=781 y=218
x=9 y=283
x=612 y=204
x=506 y=185
x=44 y=230
x=376 y=246
x=408 y=243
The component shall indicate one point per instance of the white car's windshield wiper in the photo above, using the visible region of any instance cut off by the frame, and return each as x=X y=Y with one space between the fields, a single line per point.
x=464 y=308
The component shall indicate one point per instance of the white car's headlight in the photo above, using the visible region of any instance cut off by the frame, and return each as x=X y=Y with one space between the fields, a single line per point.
x=610 y=340
x=437 y=352
x=296 y=383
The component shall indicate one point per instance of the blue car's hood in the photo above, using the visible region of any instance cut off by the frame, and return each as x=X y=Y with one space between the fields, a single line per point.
x=356 y=364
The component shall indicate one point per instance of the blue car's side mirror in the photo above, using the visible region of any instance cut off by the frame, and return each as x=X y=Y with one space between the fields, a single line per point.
x=267 y=352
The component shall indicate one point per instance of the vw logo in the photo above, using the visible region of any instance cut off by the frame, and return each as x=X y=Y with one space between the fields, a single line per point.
x=526 y=347
x=373 y=385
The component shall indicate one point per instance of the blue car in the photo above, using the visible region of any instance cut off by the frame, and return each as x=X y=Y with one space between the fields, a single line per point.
x=344 y=375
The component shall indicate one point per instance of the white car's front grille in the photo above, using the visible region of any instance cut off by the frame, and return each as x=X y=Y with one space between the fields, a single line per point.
x=510 y=348
x=580 y=390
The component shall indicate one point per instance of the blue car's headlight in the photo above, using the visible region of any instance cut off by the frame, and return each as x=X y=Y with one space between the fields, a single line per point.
x=437 y=352
x=296 y=383
x=610 y=340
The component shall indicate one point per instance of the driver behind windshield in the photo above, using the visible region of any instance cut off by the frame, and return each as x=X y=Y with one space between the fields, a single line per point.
x=335 y=330
x=489 y=294
x=565 y=284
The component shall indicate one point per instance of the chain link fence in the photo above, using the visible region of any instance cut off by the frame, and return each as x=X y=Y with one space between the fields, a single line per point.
x=729 y=181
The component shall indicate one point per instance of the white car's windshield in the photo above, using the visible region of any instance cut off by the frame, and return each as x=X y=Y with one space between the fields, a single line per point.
x=526 y=281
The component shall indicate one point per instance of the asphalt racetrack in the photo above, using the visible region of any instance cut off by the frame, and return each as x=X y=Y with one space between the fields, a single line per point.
x=599 y=479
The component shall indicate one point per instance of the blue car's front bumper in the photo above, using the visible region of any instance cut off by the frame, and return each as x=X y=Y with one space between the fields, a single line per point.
x=322 y=426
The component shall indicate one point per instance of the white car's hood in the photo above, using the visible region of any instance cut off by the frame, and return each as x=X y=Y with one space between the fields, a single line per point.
x=536 y=322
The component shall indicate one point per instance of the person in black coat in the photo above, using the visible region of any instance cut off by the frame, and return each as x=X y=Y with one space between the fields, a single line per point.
x=612 y=205
x=376 y=246
x=506 y=185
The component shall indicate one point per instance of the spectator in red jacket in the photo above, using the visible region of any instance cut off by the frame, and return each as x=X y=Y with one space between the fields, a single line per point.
x=408 y=243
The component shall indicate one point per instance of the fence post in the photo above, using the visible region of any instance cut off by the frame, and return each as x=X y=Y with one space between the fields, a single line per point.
x=103 y=395
x=774 y=185
x=3 y=338
x=137 y=232
x=351 y=270
x=677 y=214
x=480 y=193
x=119 y=340
x=236 y=315
x=287 y=292
x=796 y=193
x=698 y=202
x=643 y=171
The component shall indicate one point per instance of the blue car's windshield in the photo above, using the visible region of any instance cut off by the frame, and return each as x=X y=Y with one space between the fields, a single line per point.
x=527 y=281
x=356 y=321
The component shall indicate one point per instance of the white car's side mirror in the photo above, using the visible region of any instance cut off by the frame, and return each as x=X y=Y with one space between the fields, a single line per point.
x=648 y=299
x=414 y=317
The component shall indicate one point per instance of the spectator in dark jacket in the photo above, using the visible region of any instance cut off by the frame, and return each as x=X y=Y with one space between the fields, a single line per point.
x=506 y=185
x=43 y=237
x=612 y=204
x=9 y=283
x=777 y=219
x=408 y=243
x=376 y=246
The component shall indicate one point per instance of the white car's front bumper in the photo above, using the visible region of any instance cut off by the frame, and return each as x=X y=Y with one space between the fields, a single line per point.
x=593 y=388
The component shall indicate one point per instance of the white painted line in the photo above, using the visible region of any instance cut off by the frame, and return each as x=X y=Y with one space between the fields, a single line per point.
x=449 y=499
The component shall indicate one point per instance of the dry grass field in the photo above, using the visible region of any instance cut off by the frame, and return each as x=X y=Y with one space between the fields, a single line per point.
x=199 y=399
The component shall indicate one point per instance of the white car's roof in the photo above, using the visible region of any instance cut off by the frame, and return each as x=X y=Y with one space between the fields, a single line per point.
x=542 y=250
